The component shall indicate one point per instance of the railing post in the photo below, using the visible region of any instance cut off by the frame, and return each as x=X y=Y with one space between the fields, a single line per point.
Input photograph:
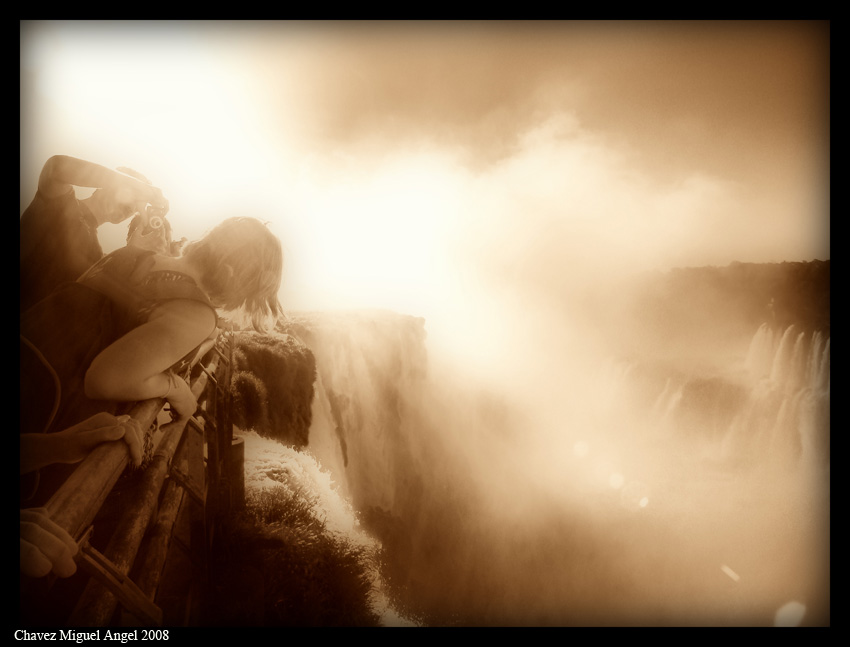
x=237 y=473
x=98 y=603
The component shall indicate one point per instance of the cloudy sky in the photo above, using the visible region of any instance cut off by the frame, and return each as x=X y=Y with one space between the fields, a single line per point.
x=416 y=166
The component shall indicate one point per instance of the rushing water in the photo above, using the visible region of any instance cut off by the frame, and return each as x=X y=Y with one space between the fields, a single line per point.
x=663 y=497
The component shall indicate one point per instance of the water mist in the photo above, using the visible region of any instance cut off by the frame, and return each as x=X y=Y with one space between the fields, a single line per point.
x=614 y=492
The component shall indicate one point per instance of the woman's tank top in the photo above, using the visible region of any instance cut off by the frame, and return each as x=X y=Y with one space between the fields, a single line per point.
x=72 y=325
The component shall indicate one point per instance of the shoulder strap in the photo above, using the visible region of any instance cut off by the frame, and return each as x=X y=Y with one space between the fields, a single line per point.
x=29 y=349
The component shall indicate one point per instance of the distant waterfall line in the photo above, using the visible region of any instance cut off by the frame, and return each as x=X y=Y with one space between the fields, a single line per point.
x=790 y=359
x=777 y=408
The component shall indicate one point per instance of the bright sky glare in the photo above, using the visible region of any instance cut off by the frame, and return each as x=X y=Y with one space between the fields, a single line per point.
x=453 y=170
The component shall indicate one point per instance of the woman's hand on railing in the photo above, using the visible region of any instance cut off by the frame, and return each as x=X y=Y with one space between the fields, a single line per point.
x=45 y=547
x=182 y=400
x=73 y=444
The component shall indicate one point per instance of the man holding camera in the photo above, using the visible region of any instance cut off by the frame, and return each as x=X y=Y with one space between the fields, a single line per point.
x=59 y=232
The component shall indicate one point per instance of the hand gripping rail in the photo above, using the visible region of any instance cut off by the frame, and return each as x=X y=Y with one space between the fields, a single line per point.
x=76 y=503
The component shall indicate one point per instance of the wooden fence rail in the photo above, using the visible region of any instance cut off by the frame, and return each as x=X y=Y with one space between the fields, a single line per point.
x=177 y=467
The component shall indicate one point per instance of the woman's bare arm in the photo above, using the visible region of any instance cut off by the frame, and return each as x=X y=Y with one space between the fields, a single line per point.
x=134 y=367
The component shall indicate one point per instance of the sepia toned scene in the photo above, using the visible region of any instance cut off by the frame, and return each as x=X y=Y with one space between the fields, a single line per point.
x=424 y=324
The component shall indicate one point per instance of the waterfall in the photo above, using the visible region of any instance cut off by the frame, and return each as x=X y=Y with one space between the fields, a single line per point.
x=799 y=380
x=781 y=371
x=761 y=352
x=325 y=444
x=819 y=367
x=784 y=418
x=666 y=405
x=774 y=412
x=485 y=519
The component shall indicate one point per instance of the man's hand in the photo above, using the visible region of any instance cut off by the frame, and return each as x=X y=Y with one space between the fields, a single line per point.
x=131 y=196
x=100 y=428
x=153 y=195
x=75 y=443
x=45 y=547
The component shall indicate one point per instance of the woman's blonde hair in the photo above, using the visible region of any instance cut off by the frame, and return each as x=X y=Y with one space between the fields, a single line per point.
x=242 y=263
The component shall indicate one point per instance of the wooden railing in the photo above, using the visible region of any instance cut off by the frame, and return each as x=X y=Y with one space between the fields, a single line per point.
x=189 y=474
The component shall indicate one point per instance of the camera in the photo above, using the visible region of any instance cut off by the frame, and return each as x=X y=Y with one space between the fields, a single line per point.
x=154 y=217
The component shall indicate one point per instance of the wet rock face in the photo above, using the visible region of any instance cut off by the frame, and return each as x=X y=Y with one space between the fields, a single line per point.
x=709 y=405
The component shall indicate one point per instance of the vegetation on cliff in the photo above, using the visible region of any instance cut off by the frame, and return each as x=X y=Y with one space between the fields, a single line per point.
x=711 y=311
x=273 y=376
x=286 y=569
x=781 y=294
x=291 y=570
